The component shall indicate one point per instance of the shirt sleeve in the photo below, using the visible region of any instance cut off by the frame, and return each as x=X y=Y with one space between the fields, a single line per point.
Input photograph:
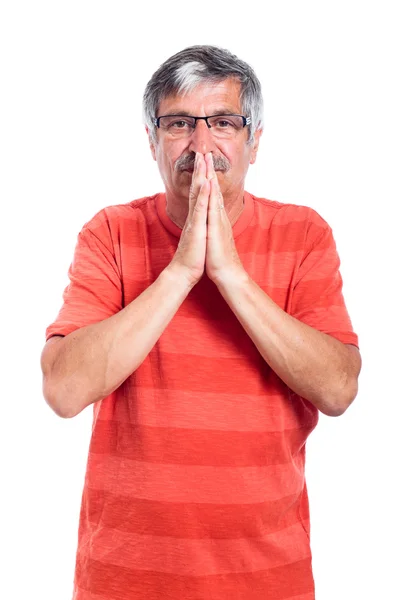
x=94 y=292
x=317 y=298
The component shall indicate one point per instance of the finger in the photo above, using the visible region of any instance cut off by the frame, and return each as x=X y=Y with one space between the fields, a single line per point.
x=200 y=211
x=210 y=166
x=199 y=174
x=215 y=205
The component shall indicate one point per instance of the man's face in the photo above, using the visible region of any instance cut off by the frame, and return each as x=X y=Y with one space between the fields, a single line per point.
x=205 y=100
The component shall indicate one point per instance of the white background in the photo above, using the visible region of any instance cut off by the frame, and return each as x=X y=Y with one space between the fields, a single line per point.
x=72 y=142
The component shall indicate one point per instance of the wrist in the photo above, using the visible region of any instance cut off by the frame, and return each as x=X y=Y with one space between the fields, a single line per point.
x=180 y=275
x=234 y=277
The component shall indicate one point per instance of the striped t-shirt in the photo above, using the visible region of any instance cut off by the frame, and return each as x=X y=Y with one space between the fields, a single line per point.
x=195 y=487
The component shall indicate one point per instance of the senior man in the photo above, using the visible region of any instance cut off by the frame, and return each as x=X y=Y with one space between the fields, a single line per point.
x=207 y=327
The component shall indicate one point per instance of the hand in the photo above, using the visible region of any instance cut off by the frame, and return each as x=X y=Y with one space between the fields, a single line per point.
x=191 y=251
x=222 y=259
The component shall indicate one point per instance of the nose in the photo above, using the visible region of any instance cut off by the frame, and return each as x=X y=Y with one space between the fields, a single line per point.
x=202 y=139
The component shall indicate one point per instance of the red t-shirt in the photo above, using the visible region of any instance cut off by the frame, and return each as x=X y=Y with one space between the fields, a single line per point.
x=195 y=487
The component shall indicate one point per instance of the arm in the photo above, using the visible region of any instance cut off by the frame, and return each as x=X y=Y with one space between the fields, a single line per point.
x=104 y=343
x=313 y=364
x=88 y=364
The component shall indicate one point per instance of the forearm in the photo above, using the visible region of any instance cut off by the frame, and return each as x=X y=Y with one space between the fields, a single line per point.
x=314 y=365
x=95 y=360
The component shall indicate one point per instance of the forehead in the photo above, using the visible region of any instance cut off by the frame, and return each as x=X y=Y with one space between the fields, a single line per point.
x=205 y=98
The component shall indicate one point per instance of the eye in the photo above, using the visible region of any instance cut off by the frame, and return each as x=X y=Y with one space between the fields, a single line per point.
x=224 y=123
x=228 y=123
x=178 y=124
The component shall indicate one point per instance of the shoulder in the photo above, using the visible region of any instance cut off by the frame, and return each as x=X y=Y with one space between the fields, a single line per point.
x=117 y=215
x=304 y=220
x=113 y=225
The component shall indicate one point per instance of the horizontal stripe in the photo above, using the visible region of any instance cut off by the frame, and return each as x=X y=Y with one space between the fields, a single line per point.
x=195 y=520
x=249 y=374
x=196 y=446
x=196 y=557
x=154 y=407
x=254 y=259
x=192 y=483
x=281 y=241
x=209 y=338
x=123 y=583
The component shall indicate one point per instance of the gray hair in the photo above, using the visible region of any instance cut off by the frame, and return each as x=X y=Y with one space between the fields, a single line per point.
x=199 y=64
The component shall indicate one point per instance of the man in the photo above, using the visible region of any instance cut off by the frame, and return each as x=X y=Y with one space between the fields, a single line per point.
x=207 y=327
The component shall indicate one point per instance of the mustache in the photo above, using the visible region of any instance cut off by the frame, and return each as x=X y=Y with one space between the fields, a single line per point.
x=187 y=162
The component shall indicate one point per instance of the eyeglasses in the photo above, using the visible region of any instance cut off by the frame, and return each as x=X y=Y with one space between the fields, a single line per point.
x=222 y=126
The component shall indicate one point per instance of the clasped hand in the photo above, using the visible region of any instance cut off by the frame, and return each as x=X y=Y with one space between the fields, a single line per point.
x=206 y=241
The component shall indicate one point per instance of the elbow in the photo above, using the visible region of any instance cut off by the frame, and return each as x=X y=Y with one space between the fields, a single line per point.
x=53 y=398
x=59 y=409
x=338 y=405
x=61 y=412
x=335 y=410
x=64 y=412
x=52 y=389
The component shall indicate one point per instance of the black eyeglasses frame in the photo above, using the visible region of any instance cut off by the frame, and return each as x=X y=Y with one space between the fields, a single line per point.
x=246 y=120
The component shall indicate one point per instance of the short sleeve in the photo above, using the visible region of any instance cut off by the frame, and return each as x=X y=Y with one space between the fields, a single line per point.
x=94 y=292
x=317 y=298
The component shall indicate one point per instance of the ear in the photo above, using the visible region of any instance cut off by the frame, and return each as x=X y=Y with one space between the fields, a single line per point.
x=151 y=143
x=254 y=150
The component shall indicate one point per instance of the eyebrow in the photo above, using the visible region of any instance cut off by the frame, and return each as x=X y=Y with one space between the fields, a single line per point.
x=185 y=113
